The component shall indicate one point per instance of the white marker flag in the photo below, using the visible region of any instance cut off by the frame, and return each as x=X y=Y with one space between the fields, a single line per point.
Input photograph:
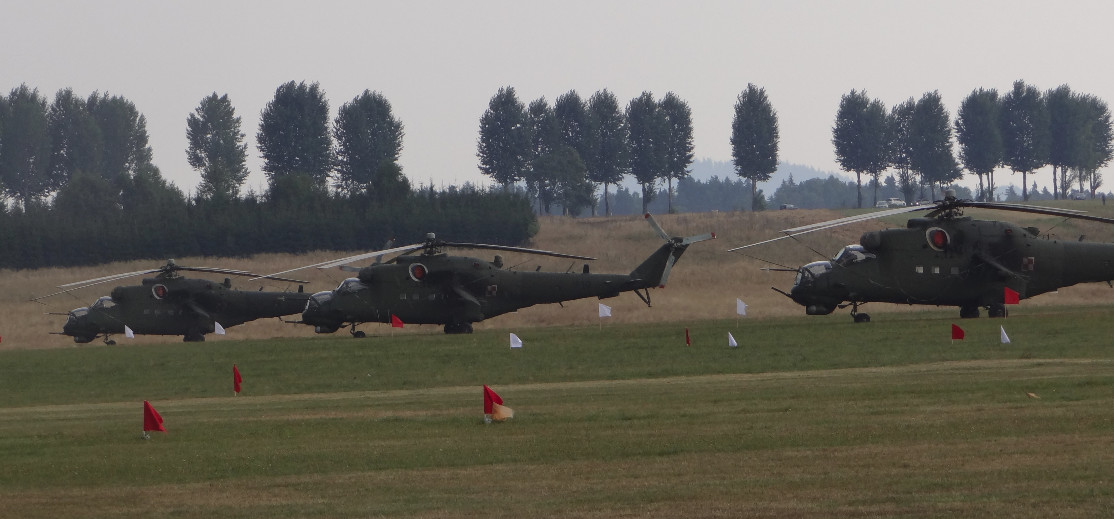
x=731 y=341
x=740 y=307
x=605 y=311
x=217 y=328
x=515 y=341
x=128 y=332
x=1005 y=338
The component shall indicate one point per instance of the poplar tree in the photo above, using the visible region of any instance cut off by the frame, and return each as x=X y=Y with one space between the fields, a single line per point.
x=754 y=138
x=216 y=148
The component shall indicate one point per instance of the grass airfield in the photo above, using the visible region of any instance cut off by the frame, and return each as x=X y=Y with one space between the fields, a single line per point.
x=807 y=417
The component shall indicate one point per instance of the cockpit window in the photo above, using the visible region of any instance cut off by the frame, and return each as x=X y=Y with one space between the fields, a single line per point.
x=79 y=312
x=351 y=285
x=809 y=272
x=318 y=299
x=852 y=254
x=104 y=302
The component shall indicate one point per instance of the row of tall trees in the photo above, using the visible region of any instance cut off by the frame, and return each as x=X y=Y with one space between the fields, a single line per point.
x=914 y=138
x=1023 y=130
x=85 y=190
x=563 y=152
x=99 y=140
x=358 y=152
x=44 y=145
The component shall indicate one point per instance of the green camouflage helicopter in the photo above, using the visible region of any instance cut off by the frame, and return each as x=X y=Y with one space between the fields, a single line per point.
x=947 y=259
x=171 y=304
x=432 y=287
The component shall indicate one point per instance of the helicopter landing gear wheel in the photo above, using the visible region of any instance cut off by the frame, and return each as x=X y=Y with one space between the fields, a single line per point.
x=455 y=328
x=193 y=336
x=358 y=334
x=109 y=342
x=997 y=310
x=859 y=317
x=968 y=312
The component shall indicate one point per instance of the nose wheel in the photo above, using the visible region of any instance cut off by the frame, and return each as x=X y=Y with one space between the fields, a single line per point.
x=359 y=334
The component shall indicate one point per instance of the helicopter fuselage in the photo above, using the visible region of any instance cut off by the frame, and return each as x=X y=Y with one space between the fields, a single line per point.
x=950 y=262
x=451 y=290
x=177 y=306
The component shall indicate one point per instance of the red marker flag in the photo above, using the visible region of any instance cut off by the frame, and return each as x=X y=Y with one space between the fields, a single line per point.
x=395 y=321
x=957 y=333
x=236 y=379
x=688 y=341
x=152 y=421
x=490 y=397
x=1010 y=297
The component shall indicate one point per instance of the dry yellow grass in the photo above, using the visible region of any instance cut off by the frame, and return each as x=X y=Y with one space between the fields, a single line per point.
x=704 y=285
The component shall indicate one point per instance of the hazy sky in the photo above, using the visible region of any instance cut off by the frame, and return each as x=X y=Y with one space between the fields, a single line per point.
x=439 y=63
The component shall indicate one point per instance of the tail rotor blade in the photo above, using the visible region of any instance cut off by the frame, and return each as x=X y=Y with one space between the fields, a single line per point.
x=657 y=228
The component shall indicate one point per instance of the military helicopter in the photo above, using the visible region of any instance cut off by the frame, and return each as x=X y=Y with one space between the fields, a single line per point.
x=171 y=304
x=432 y=287
x=947 y=259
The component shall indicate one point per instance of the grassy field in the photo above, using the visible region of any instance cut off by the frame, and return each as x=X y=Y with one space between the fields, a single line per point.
x=808 y=417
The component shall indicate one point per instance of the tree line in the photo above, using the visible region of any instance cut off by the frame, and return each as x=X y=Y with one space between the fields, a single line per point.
x=1023 y=130
x=565 y=152
x=82 y=189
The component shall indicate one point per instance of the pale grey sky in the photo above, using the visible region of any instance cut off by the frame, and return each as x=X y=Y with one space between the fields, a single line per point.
x=439 y=63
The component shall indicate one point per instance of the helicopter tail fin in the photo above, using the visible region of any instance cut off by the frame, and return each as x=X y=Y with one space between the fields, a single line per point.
x=654 y=271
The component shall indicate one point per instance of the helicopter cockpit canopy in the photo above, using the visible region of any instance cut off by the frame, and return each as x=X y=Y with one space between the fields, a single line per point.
x=852 y=254
x=104 y=302
x=79 y=312
x=319 y=299
x=808 y=273
x=350 y=285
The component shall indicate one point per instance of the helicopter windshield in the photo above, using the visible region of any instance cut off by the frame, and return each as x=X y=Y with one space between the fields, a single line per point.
x=807 y=273
x=351 y=285
x=78 y=312
x=318 y=299
x=104 y=302
x=852 y=254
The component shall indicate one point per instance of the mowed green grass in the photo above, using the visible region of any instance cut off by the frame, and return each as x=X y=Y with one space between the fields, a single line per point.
x=808 y=417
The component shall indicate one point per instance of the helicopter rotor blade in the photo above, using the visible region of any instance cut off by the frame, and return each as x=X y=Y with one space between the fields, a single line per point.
x=820 y=226
x=1032 y=209
x=352 y=259
x=106 y=279
x=343 y=261
x=169 y=267
x=509 y=248
x=856 y=218
x=244 y=273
